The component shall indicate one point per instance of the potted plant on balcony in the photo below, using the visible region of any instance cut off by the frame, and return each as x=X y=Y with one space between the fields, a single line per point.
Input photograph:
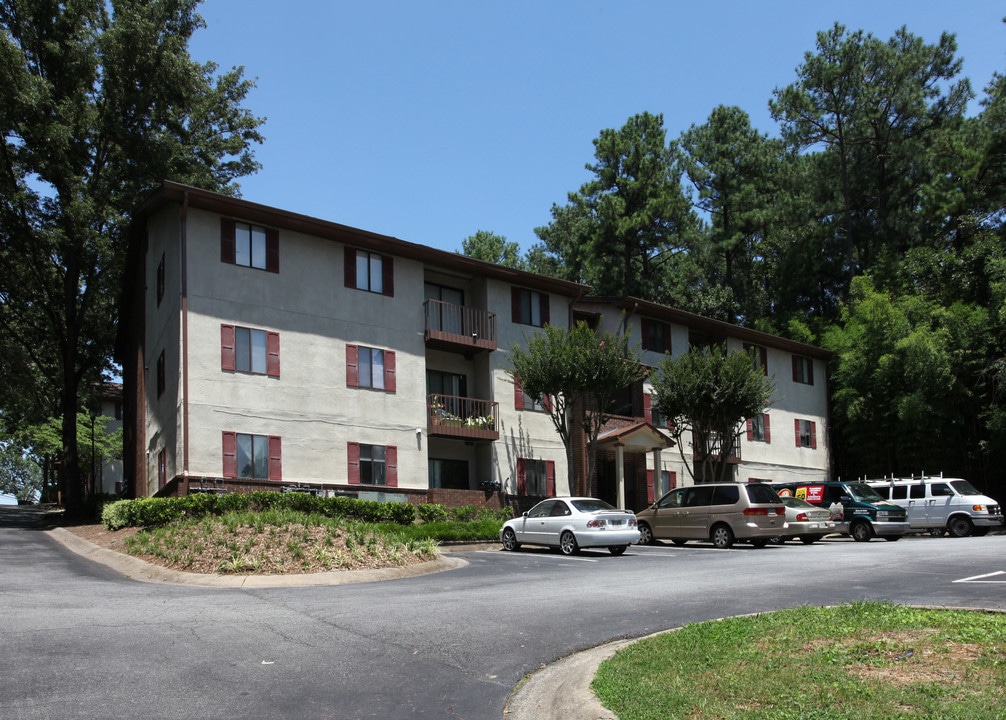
x=436 y=410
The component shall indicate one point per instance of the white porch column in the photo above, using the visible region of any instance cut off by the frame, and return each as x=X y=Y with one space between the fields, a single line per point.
x=658 y=481
x=620 y=474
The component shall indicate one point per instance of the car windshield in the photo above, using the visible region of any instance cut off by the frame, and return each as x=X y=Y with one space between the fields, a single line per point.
x=964 y=487
x=762 y=494
x=863 y=492
x=589 y=505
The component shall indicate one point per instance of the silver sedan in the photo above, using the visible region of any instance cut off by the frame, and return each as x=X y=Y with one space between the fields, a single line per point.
x=571 y=523
x=805 y=521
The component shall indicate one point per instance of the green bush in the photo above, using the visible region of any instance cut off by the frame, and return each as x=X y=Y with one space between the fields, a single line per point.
x=431 y=512
x=151 y=512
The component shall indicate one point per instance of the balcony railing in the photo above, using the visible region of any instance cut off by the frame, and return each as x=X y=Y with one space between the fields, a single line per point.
x=461 y=417
x=717 y=453
x=454 y=327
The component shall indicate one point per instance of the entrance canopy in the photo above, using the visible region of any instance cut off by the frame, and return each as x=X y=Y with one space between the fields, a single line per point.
x=639 y=437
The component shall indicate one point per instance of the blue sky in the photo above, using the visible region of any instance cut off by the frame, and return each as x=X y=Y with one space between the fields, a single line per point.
x=428 y=121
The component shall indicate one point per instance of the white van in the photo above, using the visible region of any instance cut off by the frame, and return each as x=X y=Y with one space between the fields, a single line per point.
x=938 y=503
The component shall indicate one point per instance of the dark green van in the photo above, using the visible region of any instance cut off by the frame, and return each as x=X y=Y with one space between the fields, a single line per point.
x=857 y=508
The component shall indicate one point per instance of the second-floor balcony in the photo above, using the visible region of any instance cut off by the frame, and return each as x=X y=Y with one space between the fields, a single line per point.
x=458 y=327
x=461 y=417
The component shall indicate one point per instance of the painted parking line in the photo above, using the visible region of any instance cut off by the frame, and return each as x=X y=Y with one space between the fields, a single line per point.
x=999 y=575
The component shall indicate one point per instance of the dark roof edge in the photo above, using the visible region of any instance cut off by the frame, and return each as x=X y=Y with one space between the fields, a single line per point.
x=171 y=191
x=699 y=322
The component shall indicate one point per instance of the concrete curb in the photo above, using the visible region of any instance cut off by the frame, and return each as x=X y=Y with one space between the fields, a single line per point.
x=142 y=571
x=561 y=690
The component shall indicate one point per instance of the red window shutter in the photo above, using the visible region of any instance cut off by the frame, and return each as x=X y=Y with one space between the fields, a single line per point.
x=796 y=427
x=667 y=337
x=644 y=331
x=391 y=465
x=521 y=476
x=349 y=265
x=272 y=250
x=546 y=402
x=750 y=427
x=647 y=408
x=352 y=366
x=768 y=428
x=673 y=480
x=810 y=371
x=515 y=305
x=388 y=275
x=353 y=470
x=227 y=244
x=796 y=368
x=545 y=318
x=275 y=458
x=390 y=382
x=518 y=395
x=550 y=478
x=272 y=354
x=230 y=454
x=813 y=436
x=226 y=347
x=649 y=486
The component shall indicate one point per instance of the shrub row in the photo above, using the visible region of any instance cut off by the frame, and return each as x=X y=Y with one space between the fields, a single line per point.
x=150 y=512
x=431 y=513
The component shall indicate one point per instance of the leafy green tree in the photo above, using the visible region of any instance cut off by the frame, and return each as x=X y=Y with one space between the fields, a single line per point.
x=490 y=247
x=910 y=385
x=734 y=170
x=19 y=475
x=583 y=373
x=707 y=393
x=101 y=103
x=629 y=221
x=870 y=111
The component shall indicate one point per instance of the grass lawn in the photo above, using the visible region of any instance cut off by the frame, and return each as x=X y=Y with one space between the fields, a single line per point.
x=863 y=660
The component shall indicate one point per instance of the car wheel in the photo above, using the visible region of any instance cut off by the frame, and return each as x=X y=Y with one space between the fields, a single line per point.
x=645 y=534
x=759 y=543
x=959 y=526
x=722 y=537
x=510 y=540
x=861 y=531
x=937 y=532
x=808 y=539
x=617 y=549
x=567 y=544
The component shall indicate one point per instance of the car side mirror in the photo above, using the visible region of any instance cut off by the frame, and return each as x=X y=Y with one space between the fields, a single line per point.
x=525 y=514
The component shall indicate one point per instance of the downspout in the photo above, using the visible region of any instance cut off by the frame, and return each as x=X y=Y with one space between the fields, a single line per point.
x=185 y=334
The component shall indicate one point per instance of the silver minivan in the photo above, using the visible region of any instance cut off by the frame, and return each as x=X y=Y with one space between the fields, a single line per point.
x=717 y=512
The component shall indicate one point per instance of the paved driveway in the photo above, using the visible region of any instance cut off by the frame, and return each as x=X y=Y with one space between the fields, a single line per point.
x=81 y=641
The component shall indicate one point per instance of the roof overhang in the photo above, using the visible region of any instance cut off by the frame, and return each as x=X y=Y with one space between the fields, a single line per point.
x=640 y=437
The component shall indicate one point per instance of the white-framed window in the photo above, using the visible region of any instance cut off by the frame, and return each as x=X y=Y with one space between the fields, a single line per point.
x=370 y=367
x=759 y=428
x=249 y=350
x=529 y=307
x=252 y=456
x=803 y=370
x=369 y=271
x=250 y=245
x=806 y=433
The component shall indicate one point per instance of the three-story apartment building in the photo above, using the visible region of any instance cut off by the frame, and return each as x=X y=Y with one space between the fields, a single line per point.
x=266 y=349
